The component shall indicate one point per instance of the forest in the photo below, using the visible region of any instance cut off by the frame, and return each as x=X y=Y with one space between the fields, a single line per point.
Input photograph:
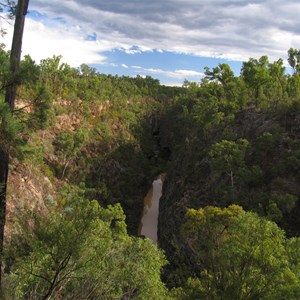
x=84 y=148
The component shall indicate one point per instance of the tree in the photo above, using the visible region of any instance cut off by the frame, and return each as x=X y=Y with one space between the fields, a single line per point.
x=294 y=60
x=266 y=81
x=228 y=156
x=10 y=97
x=229 y=91
x=240 y=255
x=276 y=88
x=68 y=145
x=4 y=71
x=222 y=74
x=256 y=75
x=79 y=250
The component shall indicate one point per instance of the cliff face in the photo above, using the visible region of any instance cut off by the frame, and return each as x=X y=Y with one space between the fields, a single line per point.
x=28 y=189
x=92 y=147
x=266 y=181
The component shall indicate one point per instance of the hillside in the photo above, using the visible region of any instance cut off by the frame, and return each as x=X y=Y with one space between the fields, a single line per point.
x=84 y=150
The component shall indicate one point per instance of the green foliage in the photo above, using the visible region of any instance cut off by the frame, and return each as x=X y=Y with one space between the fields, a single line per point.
x=4 y=70
x=9 y=127
x=239 y=255
x=222 y=73
x=29 y=71
x=68 y=145
x=256 y=75
x=79 y=250
x=294 y=59
x=234 y=140
x=286 y=202
x=228 y=157
x=228 y=139
x=266 y=82
x=207 y=113
x=17 y=126
x=126 y=172
x=192 y=289
x=211 y=224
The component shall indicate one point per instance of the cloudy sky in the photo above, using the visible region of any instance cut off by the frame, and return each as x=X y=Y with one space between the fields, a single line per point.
x=171 y=40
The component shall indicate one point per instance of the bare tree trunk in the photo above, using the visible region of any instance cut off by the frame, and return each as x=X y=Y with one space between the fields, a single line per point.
x=10 y=97
x=231 y=178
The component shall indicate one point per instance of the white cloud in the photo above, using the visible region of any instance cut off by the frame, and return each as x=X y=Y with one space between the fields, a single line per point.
x=42 y=42
x=125 y=66
x=132 y=51
x=178 y=74
x=188 y=73
x=231 y=29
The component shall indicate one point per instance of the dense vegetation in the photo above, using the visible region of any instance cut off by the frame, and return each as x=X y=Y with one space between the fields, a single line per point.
x=84 y=149
x=237 y=142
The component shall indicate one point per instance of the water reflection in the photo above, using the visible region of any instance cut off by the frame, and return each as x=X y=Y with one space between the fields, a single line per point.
x=149 y=222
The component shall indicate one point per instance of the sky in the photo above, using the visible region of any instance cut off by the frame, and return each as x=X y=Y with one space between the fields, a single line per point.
x=170 y=40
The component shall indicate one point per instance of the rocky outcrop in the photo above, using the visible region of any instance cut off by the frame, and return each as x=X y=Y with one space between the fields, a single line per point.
x=28 y=189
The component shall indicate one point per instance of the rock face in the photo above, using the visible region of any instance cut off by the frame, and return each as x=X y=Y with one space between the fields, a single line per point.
x=270 y=173
x=27 y=190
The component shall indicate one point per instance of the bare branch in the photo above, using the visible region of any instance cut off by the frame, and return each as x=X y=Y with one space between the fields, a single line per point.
x=21 y=108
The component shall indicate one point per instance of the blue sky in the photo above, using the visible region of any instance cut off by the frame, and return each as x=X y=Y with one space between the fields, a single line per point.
x=171 y=68
x=170 y=40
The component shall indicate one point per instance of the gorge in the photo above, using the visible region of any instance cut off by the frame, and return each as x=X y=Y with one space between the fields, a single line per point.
x=86 y=149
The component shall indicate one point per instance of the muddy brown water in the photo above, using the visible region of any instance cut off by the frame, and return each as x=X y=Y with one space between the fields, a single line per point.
x=149 y=220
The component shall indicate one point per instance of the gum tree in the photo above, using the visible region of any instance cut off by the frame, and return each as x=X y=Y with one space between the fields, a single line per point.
x=10 y=96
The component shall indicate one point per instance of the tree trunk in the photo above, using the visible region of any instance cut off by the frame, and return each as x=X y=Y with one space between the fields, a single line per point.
x=231 y=178
x=4 y=160
x=10 y=97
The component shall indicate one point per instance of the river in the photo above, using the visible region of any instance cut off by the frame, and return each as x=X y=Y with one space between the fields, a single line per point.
x=149 y=221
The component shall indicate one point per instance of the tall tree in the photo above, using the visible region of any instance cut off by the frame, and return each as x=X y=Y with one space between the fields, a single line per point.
x=294 y=60
x=10 y=97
